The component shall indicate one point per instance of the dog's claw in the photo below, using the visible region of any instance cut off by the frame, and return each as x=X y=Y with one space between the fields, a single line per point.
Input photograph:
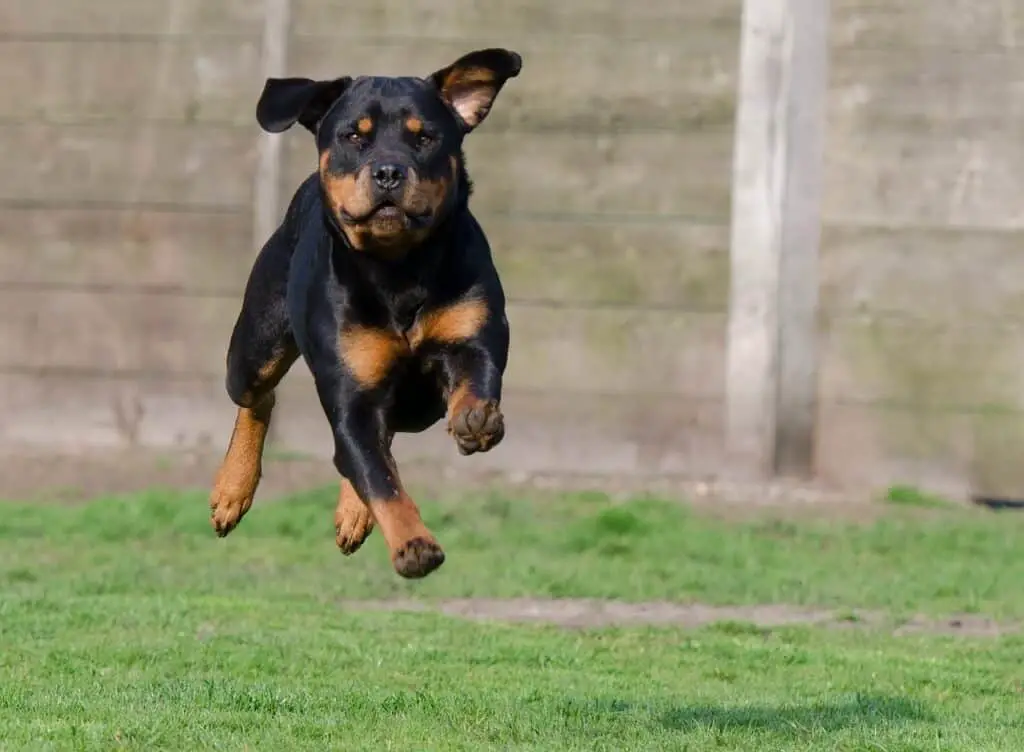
x=227 y=509
x=352 y=526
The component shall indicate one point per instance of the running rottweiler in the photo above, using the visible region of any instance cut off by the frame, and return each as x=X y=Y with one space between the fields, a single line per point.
x=382 y=280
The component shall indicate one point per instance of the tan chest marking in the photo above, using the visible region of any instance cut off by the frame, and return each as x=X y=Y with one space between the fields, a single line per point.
x=450 y=325
x=369 y=353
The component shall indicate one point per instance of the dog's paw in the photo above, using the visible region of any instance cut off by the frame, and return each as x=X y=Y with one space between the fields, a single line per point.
x=477 y=427
x=228 y=504
x=418 y=558
x=353 y=524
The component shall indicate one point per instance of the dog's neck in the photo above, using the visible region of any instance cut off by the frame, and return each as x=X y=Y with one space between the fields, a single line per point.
x=398 y=286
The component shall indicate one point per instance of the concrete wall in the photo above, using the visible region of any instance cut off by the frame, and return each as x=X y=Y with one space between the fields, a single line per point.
x=127 y=142
x=923 y=255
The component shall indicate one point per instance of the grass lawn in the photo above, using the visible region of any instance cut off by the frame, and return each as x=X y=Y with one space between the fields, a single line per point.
x=125 y=623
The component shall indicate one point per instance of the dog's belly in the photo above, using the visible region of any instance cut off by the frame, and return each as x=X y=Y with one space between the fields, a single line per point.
x=417 y=402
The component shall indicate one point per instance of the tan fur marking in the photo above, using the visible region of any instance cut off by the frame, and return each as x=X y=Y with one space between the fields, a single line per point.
x=235 y=484
x=399 y=520
x=269 y=370
x=369 y=353
x=346 y=191
x=275 y=368
x=414 y=125
x=459 y=399
x=422 y=195
x=454 y=323
x=414 y=550
x=350 y=194
x=270 y=374
x=364 y=126
x=353 y=521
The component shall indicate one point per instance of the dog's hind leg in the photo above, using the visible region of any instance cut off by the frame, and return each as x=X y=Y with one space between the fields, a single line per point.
x=261 y=351
x=353 y=521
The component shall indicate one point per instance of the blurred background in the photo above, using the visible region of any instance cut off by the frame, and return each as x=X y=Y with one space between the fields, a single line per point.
x=137 y=189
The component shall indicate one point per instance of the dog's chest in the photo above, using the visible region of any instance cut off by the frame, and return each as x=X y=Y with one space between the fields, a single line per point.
x=371 y=353
x=406 y=309
x=441 y=324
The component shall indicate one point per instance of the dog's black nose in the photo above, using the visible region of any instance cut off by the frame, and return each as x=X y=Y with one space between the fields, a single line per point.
x=388 y=176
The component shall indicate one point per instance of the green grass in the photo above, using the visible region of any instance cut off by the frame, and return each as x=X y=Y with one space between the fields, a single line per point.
x=126 y=624
x=910 y=496
x=960 y=560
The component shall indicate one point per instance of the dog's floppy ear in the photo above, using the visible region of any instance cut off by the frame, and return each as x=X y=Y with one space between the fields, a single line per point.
x=286 y=101
x=471 y=83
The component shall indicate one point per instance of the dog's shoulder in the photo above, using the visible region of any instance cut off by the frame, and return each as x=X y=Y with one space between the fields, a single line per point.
x=305 y=207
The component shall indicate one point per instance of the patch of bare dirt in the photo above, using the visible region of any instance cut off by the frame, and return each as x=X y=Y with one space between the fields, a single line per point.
x=589 y=614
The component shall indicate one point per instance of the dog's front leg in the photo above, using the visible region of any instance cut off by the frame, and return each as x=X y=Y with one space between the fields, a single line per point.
x=472 y=386
x=363 y=456
x=351 y=396
x=471 y=377
x=469 y=339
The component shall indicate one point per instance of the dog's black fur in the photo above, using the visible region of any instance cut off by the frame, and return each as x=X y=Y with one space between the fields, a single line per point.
x=382 y=280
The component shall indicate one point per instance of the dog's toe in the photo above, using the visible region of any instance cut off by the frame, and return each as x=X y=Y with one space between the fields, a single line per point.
x=227 y=507
x=352 y=527
x=478 y=427
x=418 y=558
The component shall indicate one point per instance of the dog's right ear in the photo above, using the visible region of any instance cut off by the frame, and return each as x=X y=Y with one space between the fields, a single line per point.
x=286 y=101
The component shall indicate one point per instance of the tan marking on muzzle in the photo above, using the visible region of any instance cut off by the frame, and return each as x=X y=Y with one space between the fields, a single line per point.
x=351 y=194
x=422 y=195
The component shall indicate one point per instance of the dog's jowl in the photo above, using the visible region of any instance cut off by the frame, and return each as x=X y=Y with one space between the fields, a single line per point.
x=382 y=281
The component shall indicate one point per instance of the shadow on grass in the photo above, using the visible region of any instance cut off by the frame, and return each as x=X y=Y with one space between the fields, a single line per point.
x=859 y=711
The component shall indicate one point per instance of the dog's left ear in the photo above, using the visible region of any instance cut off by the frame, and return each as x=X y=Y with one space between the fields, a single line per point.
x=286 y=101
x=471 y=84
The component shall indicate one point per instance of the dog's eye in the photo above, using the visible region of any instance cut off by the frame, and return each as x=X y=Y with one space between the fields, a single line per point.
x=356 y=138
x=423 y=140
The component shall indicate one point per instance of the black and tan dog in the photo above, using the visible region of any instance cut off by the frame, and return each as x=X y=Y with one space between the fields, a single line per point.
x=381 y=279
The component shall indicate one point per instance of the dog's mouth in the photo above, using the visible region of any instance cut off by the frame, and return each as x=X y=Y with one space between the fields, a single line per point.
x=387 y=211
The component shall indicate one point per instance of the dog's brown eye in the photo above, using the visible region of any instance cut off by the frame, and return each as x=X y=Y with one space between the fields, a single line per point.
x=354 y=137
x=424 y=140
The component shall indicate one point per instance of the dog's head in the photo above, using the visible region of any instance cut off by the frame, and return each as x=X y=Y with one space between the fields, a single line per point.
x=390 y=148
